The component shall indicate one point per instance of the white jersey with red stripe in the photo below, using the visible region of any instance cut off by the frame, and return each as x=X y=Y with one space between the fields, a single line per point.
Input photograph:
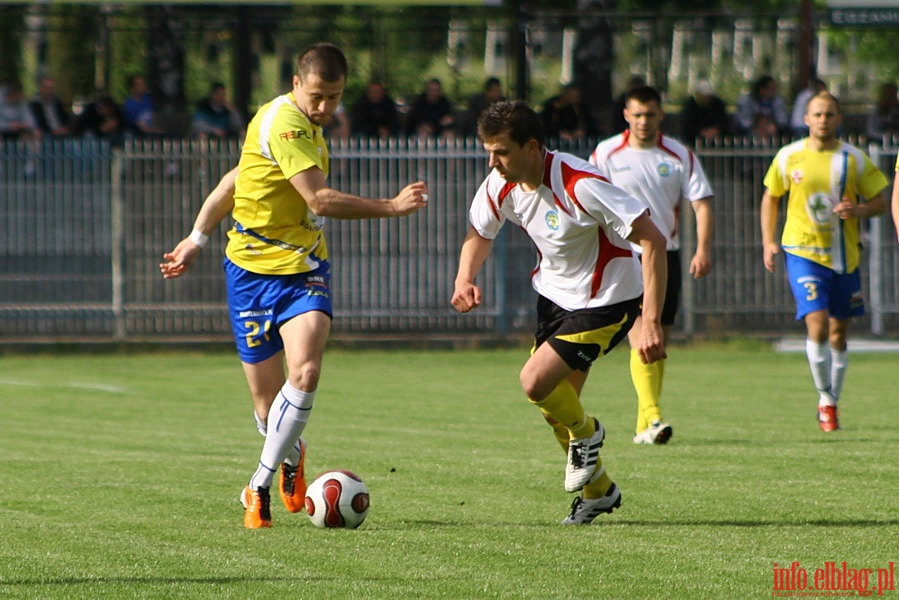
x=660 y=176
x=579 y=223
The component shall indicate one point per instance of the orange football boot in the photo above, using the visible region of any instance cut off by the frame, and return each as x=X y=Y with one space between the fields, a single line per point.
x=257 y=511
x=827 y=418
x=292 y=483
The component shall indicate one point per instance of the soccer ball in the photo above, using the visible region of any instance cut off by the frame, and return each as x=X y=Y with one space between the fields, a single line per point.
x=337 y=499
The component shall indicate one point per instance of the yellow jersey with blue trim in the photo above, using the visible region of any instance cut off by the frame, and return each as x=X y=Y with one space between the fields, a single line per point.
x=275 y=232
x=815 y=182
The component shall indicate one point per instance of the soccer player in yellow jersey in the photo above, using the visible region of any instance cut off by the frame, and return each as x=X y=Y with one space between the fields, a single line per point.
x=277 y=266
x=894 y=201
x=830 y=186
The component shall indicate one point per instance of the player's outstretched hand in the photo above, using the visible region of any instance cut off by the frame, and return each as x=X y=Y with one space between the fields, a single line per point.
x=466 y=296
x=413 y=197
x=179 y=260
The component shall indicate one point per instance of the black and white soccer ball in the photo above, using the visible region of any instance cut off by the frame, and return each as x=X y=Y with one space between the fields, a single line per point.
x=337 y=499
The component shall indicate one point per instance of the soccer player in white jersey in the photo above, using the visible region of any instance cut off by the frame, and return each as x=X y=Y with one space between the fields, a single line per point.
x=663 y=173
x=277 y=266
x=588 y=278
x=830 y=185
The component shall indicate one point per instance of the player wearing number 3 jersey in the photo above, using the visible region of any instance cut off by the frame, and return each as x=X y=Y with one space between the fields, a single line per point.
x=830 y=185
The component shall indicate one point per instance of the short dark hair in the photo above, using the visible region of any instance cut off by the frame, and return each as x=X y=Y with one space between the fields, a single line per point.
x=644 y=94
x=759 y=84
x=513 y=117
x=325 y=60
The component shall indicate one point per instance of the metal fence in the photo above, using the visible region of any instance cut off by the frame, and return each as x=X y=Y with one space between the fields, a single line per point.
x=83 y=226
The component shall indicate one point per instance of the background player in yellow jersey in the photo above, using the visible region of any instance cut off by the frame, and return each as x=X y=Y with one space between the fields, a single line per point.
x=894 y=202
x=830 y=185
x=276 y=266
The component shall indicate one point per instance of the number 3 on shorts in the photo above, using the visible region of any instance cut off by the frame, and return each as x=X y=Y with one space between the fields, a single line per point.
x=810 y=286
x=255 y=328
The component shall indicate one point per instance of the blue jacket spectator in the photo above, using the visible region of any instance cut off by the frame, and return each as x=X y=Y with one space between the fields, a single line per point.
x=138 y=109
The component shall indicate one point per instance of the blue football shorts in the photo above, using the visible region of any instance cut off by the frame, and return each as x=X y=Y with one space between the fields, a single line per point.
x=259 y=304
x=816 y=287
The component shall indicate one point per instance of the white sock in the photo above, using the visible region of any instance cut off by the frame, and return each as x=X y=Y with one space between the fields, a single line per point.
x=286 y=421
x=819 y=361
x=839 y=362
x=293 y=457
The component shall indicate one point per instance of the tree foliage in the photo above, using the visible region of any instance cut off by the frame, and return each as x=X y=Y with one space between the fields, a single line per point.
x=12 y=19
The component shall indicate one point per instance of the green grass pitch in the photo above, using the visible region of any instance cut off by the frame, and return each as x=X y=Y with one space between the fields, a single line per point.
x=119 y=478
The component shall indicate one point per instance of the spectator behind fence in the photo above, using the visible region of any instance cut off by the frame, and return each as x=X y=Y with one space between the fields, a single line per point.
x=761 y=111
x=566 y=117
x=493 y=92
x=50 y=114
x=431 y=114
x=704 y=115
x=215 y=117
x=17 y=122
x=138 y=109
x=797 y=119
x=883 y=118
x=339 y=128
x=101 y=119
x=374 y=114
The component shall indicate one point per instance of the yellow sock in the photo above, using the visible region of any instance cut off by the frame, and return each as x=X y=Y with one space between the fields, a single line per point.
x=598 y=488
x=647 y=381
x=559 y=431
x=564 y=406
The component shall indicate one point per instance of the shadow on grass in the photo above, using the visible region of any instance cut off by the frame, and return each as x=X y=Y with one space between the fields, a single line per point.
x=755 y=523
x=824 y=439
x=654 y=523
x=67 y=581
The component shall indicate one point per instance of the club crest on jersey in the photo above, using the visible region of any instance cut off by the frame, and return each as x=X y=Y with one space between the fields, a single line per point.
x=819 y=209
x=552 y=220
x=796 y=176
x=664 y=169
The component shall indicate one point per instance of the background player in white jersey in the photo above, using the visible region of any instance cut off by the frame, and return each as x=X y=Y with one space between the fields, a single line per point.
x=588 y=279
x=830 y=186
x=277 y=270
x=663 y=173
